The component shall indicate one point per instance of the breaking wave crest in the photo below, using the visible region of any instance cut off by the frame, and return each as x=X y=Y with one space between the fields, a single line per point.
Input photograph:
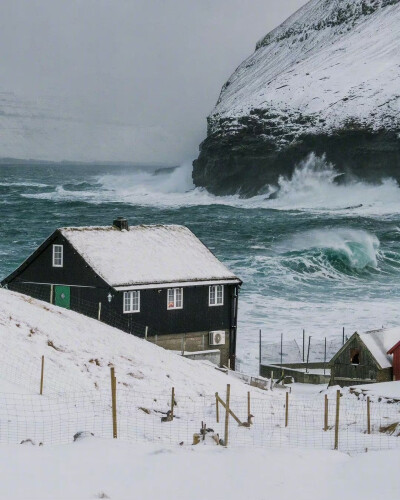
x=332 y=253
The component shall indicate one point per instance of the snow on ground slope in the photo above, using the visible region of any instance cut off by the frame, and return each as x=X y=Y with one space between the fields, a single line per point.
x=79 y=352
x=390 y=390
x=95 y=468
x=330 y=62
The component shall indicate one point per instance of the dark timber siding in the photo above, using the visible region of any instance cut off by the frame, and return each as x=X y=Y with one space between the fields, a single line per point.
x=196 y=315
x=344 y=373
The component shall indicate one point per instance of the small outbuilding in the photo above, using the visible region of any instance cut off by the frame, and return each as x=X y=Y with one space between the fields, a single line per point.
x=156 y=281
x=365 y=358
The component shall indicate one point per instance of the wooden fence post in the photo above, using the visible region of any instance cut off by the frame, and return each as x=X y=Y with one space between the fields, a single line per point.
x=146 y=331
x=217 y=406
x=99 y=312
x=287 y=410
x=172 y=402
x=41 y=376
x=228 y=396
x=114 y=401
x=337 y=420
x=368 y=415
x=326 y=413
x=248 y=407
x=51 y=293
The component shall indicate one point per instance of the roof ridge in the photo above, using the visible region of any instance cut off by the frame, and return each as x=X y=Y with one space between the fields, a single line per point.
x=111 y=227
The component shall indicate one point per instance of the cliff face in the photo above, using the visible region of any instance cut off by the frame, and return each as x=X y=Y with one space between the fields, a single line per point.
x=327 y=81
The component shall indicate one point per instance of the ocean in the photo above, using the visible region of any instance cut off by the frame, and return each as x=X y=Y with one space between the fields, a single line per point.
x=319 y=255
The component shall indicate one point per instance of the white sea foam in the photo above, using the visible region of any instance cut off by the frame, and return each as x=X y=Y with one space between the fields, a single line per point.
x=312 y=187
x=23 y=184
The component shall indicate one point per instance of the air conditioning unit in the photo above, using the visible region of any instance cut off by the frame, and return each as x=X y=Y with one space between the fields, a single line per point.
x=217 y=337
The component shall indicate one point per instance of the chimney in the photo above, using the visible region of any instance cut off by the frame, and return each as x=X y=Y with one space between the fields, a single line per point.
x=121 y=223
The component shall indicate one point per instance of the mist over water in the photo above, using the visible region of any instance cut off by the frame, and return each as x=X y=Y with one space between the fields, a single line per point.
x=320 y=255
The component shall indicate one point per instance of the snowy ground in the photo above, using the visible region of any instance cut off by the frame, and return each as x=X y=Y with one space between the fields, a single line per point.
x=154 y=460
x=94 y=468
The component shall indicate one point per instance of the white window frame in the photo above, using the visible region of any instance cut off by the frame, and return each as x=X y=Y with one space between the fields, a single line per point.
x=58 y=260
x=213 y=296
x=172 y=301
x=129 y=302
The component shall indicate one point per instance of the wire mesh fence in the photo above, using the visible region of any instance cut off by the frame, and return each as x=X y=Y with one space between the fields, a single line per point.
x=292 y=351
x=269 y=421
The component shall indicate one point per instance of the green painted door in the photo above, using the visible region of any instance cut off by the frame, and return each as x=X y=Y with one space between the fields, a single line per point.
x=62 y=296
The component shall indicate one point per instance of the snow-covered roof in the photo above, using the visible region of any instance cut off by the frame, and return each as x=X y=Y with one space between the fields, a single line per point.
x=379 y=342
x=145 y=255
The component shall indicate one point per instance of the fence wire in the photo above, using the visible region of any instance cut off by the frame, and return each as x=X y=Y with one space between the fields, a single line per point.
x=291 y=351
x=144 y=418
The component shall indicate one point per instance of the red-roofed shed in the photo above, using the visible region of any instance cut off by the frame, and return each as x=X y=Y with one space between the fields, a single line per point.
x=395 y=350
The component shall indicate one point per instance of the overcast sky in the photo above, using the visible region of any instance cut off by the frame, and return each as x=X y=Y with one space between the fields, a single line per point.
x=152 y=68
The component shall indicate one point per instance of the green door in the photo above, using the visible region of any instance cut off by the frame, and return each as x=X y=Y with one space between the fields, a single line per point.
x=62 y=296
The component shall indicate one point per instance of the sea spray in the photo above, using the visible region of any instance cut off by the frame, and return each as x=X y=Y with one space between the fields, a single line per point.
x=313 y=187
x=316 y=185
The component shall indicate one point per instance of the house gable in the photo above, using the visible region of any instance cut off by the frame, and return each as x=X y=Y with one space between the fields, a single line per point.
x=344 y=351
x=38 y=268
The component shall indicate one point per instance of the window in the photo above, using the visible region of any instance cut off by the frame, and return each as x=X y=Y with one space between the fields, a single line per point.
x=175 y=298
x=216 y=295
x=132 y=302
x=57 y=256
x=355 y=356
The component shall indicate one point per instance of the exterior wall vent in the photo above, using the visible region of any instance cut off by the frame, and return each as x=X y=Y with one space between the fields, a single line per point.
x=121 y=223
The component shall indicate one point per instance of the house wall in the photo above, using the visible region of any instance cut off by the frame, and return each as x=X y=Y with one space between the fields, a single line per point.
x=396 y=364
x=196 y=314
x=344 y=373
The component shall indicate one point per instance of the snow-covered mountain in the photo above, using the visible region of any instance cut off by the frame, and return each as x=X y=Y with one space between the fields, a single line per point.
x=326 y=80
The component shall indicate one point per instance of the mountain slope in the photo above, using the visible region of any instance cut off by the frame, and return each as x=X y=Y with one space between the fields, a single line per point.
x=326 y=80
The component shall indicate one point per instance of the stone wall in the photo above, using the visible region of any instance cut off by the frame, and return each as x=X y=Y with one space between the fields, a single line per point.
x=298 y=375
x=192 y=342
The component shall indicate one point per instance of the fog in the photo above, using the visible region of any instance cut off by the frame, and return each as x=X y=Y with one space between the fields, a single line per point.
x=120 y=80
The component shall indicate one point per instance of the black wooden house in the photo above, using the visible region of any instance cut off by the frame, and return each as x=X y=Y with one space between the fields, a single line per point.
x=156 y=281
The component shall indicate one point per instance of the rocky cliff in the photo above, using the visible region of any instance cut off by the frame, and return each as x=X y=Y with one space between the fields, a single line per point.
x=326 y=81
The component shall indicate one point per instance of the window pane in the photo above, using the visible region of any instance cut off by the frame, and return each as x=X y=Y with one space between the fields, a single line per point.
x=135 y=305
x=57 y=255
x=170 y=302
x=127 y=301
x=212 y=295
x=178 y=297
x=220 y=295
